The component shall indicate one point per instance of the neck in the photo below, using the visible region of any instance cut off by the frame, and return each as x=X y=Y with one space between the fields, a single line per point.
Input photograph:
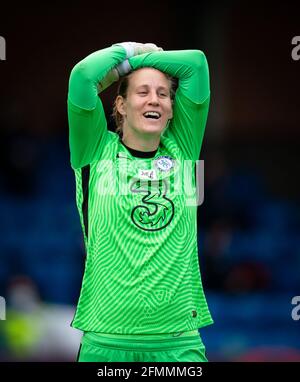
x=141 y=143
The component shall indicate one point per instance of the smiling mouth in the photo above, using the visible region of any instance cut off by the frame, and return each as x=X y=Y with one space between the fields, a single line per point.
x=152 y=115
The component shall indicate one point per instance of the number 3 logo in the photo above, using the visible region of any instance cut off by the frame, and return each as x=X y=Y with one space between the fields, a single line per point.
x=155 y=211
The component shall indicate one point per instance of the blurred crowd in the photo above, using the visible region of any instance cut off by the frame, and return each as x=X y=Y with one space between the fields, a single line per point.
x=249 y=254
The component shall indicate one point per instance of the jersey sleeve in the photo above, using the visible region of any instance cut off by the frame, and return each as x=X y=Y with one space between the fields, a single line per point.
x=87 y=123
x=191 y=104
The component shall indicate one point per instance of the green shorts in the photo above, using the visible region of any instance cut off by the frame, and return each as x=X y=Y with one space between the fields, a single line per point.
x=96 y=347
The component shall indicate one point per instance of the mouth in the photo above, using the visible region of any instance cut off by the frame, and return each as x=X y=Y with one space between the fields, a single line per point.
x=152 y=115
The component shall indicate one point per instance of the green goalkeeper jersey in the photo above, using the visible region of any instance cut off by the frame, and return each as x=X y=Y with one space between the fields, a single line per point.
x=139 y=224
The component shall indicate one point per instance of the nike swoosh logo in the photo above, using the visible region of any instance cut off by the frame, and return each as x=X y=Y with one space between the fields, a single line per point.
x=177 y=334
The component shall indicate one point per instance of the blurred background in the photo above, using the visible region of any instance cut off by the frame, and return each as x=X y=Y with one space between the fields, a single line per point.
x=249 y=223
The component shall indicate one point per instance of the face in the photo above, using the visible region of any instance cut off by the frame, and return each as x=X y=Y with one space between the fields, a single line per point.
x=148 y=106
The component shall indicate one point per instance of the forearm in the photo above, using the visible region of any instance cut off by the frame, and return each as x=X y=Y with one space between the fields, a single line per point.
x=189 y=66
x=88 y=73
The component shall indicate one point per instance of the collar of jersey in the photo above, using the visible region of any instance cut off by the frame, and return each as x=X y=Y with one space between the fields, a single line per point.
x=125 y=153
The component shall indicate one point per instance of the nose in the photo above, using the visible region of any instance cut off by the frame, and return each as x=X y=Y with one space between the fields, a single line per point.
x=153 y=98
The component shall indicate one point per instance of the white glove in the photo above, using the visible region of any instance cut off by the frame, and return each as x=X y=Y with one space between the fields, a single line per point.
x=135 y=48
x=132 y=49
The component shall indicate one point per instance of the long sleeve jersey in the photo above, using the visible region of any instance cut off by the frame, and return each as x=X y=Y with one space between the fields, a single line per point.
x=142 y=273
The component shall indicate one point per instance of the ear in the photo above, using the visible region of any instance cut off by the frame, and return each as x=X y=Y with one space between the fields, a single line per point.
x=120 y=105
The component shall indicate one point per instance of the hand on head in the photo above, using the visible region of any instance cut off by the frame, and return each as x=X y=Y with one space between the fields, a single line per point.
x=136 y=48
x=146 y=48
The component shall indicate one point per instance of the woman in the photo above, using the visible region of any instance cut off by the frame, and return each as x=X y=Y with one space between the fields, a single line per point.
x=141 y=297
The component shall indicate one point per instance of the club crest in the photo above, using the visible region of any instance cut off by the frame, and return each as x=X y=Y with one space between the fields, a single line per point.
x=164 y=163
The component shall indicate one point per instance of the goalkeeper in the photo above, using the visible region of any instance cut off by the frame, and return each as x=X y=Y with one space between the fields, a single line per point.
x=141 y=298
